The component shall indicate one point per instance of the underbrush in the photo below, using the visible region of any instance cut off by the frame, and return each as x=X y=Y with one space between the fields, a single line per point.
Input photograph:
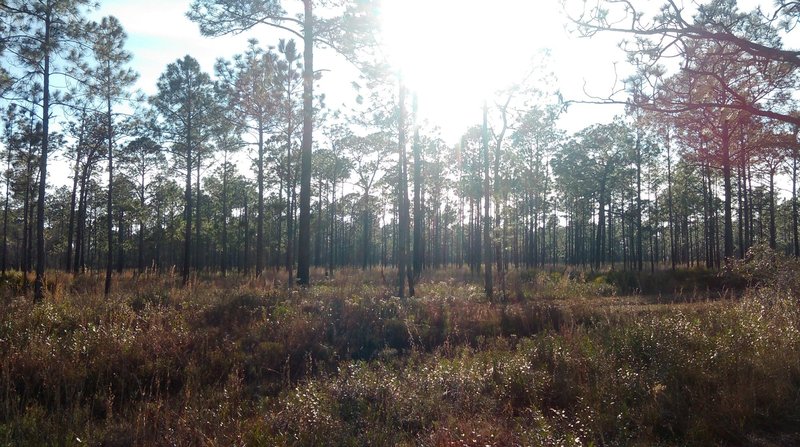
x=563 y=360
x=703 y=378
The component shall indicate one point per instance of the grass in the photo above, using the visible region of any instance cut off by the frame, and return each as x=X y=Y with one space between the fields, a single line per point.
x=565 y=359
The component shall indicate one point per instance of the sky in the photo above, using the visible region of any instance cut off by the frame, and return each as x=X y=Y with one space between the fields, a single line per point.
x=453 y=53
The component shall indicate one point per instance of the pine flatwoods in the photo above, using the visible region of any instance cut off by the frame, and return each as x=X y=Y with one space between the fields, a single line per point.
x=679 y=180
x=233 y=261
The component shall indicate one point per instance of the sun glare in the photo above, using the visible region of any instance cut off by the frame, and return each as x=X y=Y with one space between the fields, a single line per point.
x=456 y=53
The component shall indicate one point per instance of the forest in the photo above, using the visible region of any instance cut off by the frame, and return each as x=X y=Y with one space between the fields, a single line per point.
x=234 y=260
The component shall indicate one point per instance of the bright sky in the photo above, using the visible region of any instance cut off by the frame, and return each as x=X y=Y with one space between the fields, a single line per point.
x=452 y=52
x=458 y=52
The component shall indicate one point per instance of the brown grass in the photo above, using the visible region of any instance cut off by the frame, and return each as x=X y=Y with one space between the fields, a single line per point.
x=564 y=360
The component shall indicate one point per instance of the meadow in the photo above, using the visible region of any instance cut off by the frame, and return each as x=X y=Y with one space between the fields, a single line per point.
x=570 y=358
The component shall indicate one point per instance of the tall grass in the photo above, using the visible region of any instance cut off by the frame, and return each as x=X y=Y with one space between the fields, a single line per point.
x=566 y=359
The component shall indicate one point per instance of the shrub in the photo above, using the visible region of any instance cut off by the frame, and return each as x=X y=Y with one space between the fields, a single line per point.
x=345 y=363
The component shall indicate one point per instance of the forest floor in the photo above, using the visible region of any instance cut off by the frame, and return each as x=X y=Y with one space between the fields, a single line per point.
x=564 y=358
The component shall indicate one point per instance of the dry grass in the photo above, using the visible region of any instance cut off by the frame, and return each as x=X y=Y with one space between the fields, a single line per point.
x=565 y=359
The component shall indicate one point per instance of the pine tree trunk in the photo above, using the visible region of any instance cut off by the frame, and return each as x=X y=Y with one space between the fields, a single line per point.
x=365 y=221
x=72 y=198
x=402 y=200
x=672 y=242
x=418 y=217
x=78 y=265
x=726 y=174
x=187 y=235
x=318 y=229
x=639 y=249
x=5 y=216
x=487 y=220
x=332 y=241
x=260 y=223
x=140 y=254
x=38 y=294
x=121 y=241
x=109 y=204
x=224 y=259
x=198 y=224
x=303 y=274
x=795 y=213
x=246 y=245
x=773 y=244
